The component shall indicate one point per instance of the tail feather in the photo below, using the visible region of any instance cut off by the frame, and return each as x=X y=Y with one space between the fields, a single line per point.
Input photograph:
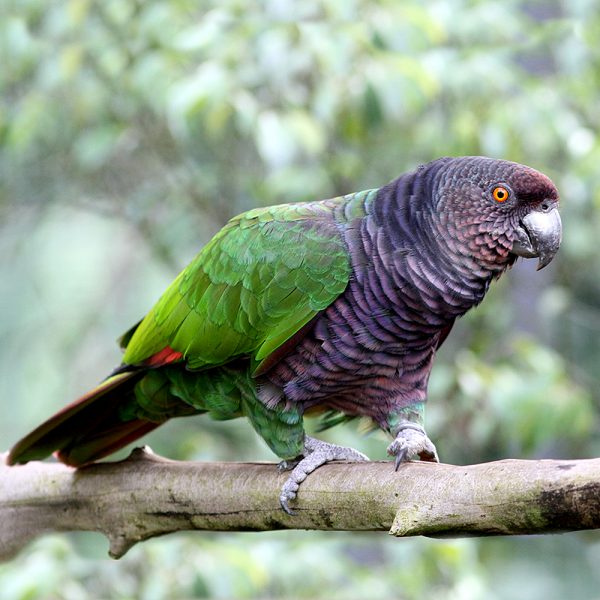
x=87 y=429
x=106 y=442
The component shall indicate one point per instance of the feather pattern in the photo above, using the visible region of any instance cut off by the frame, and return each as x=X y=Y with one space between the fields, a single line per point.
x=250 y=289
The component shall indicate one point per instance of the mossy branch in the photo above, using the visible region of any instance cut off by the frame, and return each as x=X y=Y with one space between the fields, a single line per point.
x=146 y=495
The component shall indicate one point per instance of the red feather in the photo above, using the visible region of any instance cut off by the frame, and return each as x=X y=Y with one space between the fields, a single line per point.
x=165 y=357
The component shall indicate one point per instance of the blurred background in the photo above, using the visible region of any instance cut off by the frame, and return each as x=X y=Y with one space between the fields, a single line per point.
x=130 y=132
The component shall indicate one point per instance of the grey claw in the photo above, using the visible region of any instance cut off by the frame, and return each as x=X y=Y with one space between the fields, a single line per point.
x=400 y=458
x=286 y=507
x=290 y=489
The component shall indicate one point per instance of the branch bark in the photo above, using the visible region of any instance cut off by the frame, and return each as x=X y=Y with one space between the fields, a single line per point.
x=146 y=495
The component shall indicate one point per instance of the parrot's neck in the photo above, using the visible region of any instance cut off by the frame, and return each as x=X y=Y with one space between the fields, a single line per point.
x=425 y=268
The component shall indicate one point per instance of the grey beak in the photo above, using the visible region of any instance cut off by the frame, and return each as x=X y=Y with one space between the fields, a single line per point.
x=539 y=236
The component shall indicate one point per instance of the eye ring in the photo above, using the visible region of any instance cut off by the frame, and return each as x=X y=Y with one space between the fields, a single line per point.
x=500 y=194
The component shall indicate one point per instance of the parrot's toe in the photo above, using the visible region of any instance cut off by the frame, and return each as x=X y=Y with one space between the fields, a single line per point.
x=411 y=440
x=316 y=453
x=288 y=465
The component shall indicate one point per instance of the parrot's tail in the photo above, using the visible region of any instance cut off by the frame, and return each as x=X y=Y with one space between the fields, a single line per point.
x=87 y=429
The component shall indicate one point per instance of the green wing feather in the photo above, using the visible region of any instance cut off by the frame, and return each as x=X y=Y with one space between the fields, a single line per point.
x=264 y=276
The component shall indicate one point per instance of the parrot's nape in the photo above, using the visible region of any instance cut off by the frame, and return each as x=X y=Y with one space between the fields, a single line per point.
x=335 y=306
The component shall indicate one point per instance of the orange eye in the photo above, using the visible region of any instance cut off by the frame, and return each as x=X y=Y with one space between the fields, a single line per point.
x=500 y=194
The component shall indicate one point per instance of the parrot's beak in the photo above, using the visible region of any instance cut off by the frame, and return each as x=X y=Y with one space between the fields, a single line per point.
x=539 y=235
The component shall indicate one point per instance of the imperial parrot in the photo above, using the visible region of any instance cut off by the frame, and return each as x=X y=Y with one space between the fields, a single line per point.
x=336 y=306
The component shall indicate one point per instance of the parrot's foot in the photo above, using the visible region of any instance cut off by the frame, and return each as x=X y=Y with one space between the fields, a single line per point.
x=411 y=439
x=316 y=453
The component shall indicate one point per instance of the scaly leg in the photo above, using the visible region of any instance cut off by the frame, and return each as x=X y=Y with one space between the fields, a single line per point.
x=316 y=453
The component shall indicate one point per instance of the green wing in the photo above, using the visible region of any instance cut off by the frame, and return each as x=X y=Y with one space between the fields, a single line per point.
x=264 y=276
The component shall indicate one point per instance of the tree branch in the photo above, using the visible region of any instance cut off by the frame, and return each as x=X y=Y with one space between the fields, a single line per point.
x=146 y=495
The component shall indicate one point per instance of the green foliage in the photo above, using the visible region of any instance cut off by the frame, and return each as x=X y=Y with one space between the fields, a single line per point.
x=131 y=131
x=519 y=402
x=292 y=565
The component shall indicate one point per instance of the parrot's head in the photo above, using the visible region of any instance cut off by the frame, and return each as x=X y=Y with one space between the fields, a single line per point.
x=496 y=210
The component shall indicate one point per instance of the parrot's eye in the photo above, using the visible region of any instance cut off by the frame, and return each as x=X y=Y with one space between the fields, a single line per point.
x=500 y=194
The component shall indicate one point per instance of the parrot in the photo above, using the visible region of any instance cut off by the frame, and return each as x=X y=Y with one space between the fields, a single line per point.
x=334 y=308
